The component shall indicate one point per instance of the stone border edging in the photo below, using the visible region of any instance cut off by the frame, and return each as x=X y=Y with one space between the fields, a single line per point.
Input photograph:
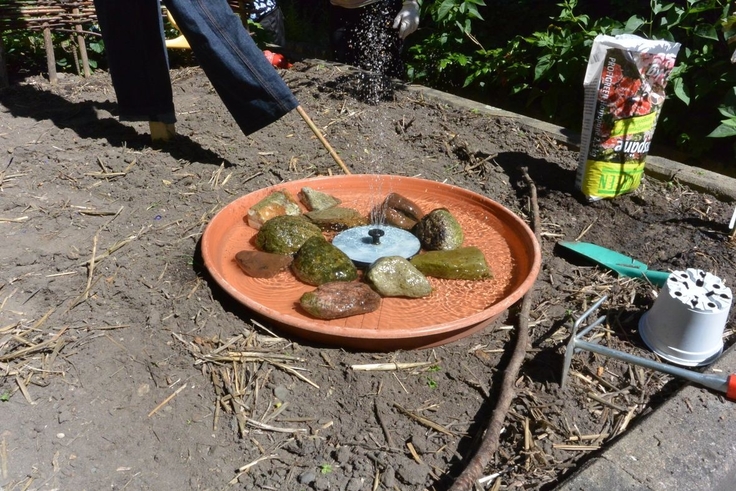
x=720 y=186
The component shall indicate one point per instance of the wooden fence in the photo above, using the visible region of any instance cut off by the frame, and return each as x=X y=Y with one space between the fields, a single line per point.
x=66 y=16
x=73 y=17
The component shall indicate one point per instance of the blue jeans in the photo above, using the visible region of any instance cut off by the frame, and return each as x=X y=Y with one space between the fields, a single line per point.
x=248 y=85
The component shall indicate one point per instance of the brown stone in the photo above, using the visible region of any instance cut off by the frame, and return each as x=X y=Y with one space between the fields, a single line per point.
x=259 y=264
x=340 y=299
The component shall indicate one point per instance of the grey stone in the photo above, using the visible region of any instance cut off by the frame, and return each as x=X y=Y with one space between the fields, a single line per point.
x=355 y=484
x=395 y=276
x=307 y=477
x=281 y=393
x=316 y=200
x=388 y=478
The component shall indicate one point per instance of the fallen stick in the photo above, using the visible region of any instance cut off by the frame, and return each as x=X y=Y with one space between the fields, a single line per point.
x=490 y=442
x=167 y=400
x=422 y=420
x=391 y=366
x=322 y=139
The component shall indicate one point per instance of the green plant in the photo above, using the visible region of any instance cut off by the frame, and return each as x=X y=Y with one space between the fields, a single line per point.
x=728 y=110
x=325 y=468
x=540 y=72
x=432 y=383
x=442 y=49
x=5 y=396
x=26 y=50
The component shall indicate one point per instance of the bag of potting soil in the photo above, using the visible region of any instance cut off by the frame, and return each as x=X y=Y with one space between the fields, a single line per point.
x=624 y=91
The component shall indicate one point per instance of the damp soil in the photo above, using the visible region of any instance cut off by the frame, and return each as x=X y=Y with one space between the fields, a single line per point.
x=123 y=365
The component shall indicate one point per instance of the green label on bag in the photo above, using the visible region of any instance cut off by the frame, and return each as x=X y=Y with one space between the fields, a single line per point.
x=637 y=124
x=607 y=179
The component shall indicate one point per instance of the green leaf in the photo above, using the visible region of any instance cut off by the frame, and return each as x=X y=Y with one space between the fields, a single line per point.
x=727 y=111
x=97 y=47
x=658 y=7
x=634 y=23
x=706 y=31
x=543 y=65
x=473 y=12
x=444 y=9
x=726 y=129
x=681 y=91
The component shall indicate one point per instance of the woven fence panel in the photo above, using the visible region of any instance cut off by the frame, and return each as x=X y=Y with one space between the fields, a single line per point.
x=41 y=14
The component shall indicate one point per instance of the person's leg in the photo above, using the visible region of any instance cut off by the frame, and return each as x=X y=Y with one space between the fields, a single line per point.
x=139 y=68
x=344 y=28
x=273 y=24
x=248 y=85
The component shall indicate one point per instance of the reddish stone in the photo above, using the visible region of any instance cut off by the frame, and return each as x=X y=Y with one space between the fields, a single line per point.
x=259 y=264
x=340 y=299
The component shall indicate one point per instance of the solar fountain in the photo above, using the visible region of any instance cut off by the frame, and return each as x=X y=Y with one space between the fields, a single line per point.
x=455 y=309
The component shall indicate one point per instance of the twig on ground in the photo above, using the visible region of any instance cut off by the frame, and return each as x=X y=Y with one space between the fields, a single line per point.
x=488 y=446
x=263 y=426
x=243 y=469
x=391 y=366
x=32 y=349
x=24 y=390
x=167 y=400
x=14 y=220
x=379 y=417
x=425 y=421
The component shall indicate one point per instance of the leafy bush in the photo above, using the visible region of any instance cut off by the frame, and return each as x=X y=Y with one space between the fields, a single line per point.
x=540 y=69
x=26 y=52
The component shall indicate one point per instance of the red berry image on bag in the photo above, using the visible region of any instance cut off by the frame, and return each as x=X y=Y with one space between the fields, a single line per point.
x=624 y=92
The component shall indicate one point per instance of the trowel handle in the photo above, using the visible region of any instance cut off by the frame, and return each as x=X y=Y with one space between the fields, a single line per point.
x=731 y=387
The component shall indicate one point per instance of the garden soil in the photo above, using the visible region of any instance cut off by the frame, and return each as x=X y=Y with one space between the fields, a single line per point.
x=123 y=365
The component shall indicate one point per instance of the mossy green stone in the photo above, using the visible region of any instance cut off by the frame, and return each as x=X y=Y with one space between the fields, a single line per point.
x=337 y=218
x=285 y=234
x=317 y=200
x=318 y=262
x=439 y=230
x=394 y=276
x=465 y=263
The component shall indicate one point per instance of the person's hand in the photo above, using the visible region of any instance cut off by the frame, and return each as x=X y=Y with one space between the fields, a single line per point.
x=408 y=19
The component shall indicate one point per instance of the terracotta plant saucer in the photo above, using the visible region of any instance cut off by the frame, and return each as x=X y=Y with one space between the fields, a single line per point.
x=454 y=310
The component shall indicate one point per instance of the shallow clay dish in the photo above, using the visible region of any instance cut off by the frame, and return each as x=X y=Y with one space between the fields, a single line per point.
x=455 y=308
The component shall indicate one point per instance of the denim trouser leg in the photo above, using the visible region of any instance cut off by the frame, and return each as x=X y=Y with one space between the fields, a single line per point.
x=248 y=85
x=139 y=67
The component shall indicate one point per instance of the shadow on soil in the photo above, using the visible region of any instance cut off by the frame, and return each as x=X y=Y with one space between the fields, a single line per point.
x=84 y=119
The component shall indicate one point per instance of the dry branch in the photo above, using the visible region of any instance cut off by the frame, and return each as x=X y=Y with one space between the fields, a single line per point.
x=166 y=401
x=425 y=421
x=489 y=444
x=391 y=366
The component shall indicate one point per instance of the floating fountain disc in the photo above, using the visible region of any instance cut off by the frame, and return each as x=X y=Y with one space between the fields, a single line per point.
x=363 y=245
x=455 y=309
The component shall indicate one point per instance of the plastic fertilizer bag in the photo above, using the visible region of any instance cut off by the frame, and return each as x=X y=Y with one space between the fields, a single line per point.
x=624 y=92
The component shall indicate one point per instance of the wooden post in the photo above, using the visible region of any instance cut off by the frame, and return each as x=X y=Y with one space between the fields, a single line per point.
x=50 y=58
x=81 y=43
x=75 y=54
x=4 y=82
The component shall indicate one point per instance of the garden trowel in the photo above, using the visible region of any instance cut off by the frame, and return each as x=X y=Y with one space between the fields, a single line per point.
x=615 y=261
